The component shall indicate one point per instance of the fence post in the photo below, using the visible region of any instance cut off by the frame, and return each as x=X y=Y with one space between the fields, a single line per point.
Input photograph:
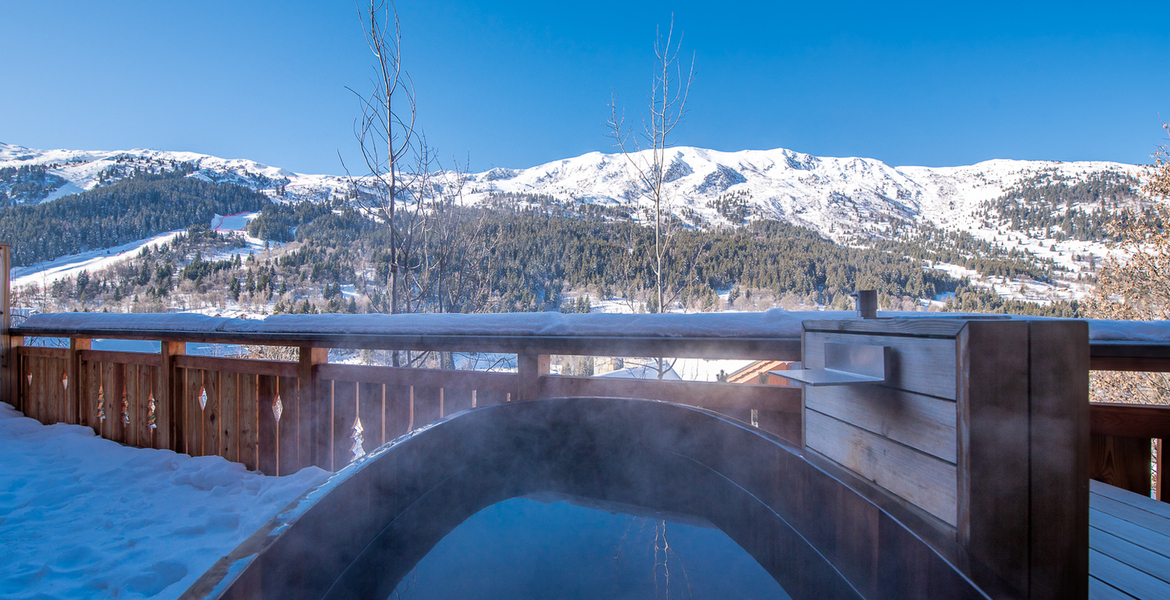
x=316 y=414
x=169 y=413
x=9 y=362
x=530 y=368
x=73 y=373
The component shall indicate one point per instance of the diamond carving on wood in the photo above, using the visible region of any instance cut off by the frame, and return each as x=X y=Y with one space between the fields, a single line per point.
x=357 y=449
x=125 y=410
x=277 y=408
x=202 y=398
x=151 y=418
x=101 y=401
x=64 y=380
x=30 y=378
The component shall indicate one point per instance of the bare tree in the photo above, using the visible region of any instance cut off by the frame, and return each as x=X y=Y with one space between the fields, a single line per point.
x=1136 y=286
x=669 y=89
x=385 y=130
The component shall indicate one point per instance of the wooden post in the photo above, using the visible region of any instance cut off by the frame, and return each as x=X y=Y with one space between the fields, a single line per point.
x=1162 y=491
x=315 y=417
x=169 y=399
x=530 y=368
x=73 y=393
x=9 y=364
x=979 y=432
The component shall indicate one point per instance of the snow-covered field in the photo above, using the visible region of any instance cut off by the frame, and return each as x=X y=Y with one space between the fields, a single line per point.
x=69 y=267
x=85 y=517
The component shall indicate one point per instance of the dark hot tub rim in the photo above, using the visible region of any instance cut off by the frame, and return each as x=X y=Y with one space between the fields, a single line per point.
x=793 y=504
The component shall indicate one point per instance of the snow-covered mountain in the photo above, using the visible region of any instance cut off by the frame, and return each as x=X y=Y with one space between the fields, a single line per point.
x=845 y=199
x=80 y=170
x=849 y=200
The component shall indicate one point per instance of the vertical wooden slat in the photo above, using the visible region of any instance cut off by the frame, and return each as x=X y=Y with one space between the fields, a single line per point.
x=95 y=393
x=248 y=423
x=1161 y=486
x=267 y=436
x=288 y=427
x=426 y=405
x=370 y=413
x=146 y=396
x=488 y=398
x=168 y=397
x=455 y=400
x=530 y=368
x=9 y=361
x=1121 y=461
x=115 y=417
x=229 y=416
x=397 y=400
x=193 y=427
x=14 y=383
x=344 y=415
x=41 y=405
x=107 y=424
x=312 y=408
x=74 y=393
x=130 y=429
x=211 y=414
x=322 y=422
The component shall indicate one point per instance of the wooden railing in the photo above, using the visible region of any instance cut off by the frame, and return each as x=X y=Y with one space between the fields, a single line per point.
x=280 y=416
x=1122 y=440
x=1123 y=435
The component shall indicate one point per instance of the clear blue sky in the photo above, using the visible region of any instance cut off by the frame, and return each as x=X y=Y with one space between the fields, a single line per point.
x=519 y=83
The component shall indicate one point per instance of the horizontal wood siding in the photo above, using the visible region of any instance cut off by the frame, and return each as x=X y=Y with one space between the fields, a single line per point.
x=921 y=365
x=927 y=481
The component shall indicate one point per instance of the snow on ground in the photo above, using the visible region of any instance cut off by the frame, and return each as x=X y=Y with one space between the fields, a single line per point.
x=236 y=222
x=85 y=517
x=68 y=267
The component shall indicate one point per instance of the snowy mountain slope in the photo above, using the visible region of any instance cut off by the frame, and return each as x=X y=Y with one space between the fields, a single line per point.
x=849 y=200
x=839 y=197
x=84 y=170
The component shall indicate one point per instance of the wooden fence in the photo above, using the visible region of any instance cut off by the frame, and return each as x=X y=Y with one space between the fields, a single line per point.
x=280 y=416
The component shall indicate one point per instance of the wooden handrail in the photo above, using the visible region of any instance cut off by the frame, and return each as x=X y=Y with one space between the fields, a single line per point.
x=1129 y=420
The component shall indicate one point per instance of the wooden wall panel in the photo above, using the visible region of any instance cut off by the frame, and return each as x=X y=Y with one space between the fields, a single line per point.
x=922 y=479
x=455 y=400
x=117 y=417
x=344 y=415
x=247 y=413
x=922 y=422
x=370 y=410
x=426 y=405
x=143 y=422
x=212 y=414
x=193 y=424
x=93 y=395
x=268 y=444
x=133 y=412
x=1121 y=461
x=229 y=416
x=288 y=426
x=921 y=365
x=398 y=410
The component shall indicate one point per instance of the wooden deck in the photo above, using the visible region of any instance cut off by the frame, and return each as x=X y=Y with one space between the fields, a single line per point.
x=1129 y=545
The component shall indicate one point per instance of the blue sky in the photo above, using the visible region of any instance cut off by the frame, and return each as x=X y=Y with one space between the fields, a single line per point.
x=517 y=84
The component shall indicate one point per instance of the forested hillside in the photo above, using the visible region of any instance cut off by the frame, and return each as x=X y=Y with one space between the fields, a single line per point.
x=137 y=207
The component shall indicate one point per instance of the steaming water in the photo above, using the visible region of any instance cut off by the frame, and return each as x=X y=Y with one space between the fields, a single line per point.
x=522 y=548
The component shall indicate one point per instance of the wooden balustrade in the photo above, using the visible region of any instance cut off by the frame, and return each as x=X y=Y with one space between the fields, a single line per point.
x=280 y=416
x=1122 y=438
